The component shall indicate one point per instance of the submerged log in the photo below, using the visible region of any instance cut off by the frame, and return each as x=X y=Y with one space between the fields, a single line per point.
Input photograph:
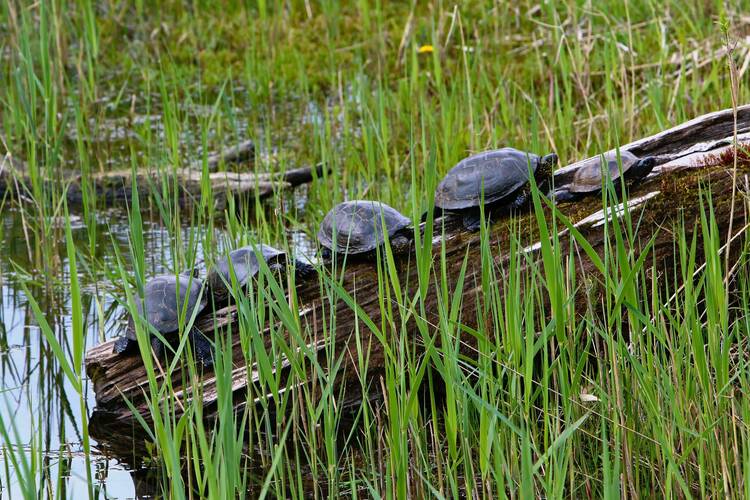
x=691 y=157
x=116 y=185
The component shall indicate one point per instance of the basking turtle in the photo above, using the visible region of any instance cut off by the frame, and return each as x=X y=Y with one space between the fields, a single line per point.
x=163 y=313
x=501 y=174
x=588 y=178
x=244 y=263
x=358 y=228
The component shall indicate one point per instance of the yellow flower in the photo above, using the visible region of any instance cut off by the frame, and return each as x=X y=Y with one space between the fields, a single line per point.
x=424 y=49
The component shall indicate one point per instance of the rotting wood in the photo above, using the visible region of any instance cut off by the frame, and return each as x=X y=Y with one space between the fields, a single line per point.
x=667 y=196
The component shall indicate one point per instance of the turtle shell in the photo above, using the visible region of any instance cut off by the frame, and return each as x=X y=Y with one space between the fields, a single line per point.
x=501 y=172
x=245 y=264
x=588 y=177
x=160 y=297
x=358 y=226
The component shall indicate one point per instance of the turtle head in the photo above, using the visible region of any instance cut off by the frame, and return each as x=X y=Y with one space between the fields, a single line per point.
x=543 y=174
x=547 y=164
x=642 y=168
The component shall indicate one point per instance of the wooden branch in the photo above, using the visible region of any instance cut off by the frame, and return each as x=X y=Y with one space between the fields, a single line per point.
x=665 y=198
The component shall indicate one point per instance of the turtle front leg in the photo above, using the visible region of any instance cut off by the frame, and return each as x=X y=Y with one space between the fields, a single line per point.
x=157 y=347
x=303 y=270
x=472 y=221
x=400 y=243
x=521 y=200
x=202 y=347
x=562 y=195
x=123 y=345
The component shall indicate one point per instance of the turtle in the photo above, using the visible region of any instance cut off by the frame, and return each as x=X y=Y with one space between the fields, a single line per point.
x=588 y=177
x=162 y=311
x=244 y=263
x=499 y=176
x=356 y=228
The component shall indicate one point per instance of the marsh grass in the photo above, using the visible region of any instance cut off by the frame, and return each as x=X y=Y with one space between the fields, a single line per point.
x=638 y=392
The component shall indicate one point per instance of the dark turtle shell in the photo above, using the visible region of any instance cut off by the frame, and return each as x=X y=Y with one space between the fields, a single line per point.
x=588 y=177
x=357 y=226
x=162 y=308
x=245 y=264
x=501 y=172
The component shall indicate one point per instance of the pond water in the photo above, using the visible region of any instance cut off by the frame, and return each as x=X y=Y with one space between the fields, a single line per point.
x=39 y=405
x=38 y=400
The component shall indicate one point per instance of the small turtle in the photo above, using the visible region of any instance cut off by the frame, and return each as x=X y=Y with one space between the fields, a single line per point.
x=503 y=175
x=588 y=178
x=244 y=263
x=163 y=313
x=357 y=228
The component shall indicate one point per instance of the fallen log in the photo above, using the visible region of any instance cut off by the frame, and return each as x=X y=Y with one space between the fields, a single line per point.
x=246 y=186
x=114 y=186
x=243 y=152
x=691 y=157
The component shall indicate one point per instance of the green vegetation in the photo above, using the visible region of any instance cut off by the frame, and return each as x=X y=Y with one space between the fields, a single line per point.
x=654 y=405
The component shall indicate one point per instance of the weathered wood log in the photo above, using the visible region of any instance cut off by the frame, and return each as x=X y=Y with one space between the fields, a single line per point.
x=667 y=196
x=241 y=153
x=116 y=185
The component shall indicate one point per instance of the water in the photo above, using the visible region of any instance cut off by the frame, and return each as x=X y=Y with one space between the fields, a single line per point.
x=37 y=400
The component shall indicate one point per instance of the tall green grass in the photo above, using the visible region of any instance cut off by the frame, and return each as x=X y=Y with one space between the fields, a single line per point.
x=577 y=405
